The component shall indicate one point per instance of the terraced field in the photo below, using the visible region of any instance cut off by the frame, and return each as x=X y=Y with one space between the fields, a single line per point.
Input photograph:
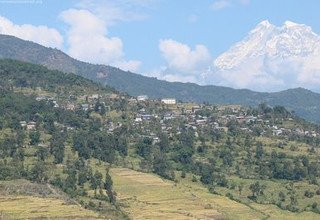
x=21 y=199
x=146 y=196
x=29 y=207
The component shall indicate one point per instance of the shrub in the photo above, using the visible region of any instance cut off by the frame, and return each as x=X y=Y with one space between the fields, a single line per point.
x=308 y=194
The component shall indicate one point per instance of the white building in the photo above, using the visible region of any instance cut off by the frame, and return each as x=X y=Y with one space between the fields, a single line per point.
x=142 y=98
x=169 y=101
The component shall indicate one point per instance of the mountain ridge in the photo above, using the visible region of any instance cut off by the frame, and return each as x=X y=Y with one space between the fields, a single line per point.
x=135 y=84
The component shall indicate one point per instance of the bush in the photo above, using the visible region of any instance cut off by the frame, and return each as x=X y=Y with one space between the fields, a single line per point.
x=212 y=189
x=194 y=179
x=229 y=195
x=314 y=205
x=183 y=174
x=308 y=194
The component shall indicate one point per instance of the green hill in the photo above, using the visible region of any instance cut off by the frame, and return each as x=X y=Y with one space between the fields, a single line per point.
x=303 y=102
x=66 y=139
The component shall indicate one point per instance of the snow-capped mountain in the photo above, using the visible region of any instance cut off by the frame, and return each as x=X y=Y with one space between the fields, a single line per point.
x=285 y=56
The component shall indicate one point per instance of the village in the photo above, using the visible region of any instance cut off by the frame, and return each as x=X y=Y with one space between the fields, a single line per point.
x=170 y=116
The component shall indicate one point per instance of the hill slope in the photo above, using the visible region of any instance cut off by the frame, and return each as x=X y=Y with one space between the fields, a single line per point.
x=304 y=102
x=88 y=151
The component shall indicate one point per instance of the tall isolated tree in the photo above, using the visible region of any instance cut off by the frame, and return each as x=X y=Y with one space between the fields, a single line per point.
x=108 y=185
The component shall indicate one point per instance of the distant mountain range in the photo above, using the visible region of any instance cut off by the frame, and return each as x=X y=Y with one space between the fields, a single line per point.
x=304 y=102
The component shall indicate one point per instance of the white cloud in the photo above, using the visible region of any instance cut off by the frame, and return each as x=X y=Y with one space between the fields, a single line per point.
x=179 y=78
x=116 y=11
x=309 y=75
x=182 y=58
x=88 y=40
x=183 y=63
x=221 y=4
x=43 y=35
x=131 y=65
x=252 y=74
x=270 y=74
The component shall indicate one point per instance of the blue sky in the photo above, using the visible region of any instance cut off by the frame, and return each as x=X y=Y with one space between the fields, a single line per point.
x=130 y=31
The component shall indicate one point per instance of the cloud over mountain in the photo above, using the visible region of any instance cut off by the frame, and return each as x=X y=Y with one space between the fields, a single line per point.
x=88 y=40
x=188 y=62
x=42 y=34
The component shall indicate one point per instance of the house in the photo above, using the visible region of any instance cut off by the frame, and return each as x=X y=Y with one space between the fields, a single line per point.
x=146 y=117
x=31 y=125
x=40 y=98
x=138 y=119
x=196 y=108
x=70 y=106
x=142 y=98
x=23 y=124
x=169 y=101
x=95 y=96
x=201 y=121
x=277 y=132
x=55 y=104
x=85 y=107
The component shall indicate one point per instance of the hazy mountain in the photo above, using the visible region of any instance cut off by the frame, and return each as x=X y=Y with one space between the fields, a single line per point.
x=304 y=102
x=279 y=57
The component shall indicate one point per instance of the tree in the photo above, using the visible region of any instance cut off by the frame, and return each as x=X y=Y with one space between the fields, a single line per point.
x=240 y=188
x=259 y=151
x=164 y=143
x=57 y=147
x=80 y=144
x=108 y=185
x=282 y=196
x=256 y=189
x=38 y=172
x=145 y=147
x=70 y=184
x=34 y=137
x=122 y=145
x=161 y=165
x=95 y=181
x=42 y=153
x=183 y=174
x=20 y=137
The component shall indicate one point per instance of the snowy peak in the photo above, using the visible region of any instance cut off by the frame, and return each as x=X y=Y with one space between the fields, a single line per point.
x=269 y=41
x=264 y=23
x=290 y=24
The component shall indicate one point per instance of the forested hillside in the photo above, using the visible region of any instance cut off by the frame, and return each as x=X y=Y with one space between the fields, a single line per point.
x=303 y=102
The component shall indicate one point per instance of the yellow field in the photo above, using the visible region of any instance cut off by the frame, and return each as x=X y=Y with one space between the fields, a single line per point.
x=28 y=207
x=146 y=196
